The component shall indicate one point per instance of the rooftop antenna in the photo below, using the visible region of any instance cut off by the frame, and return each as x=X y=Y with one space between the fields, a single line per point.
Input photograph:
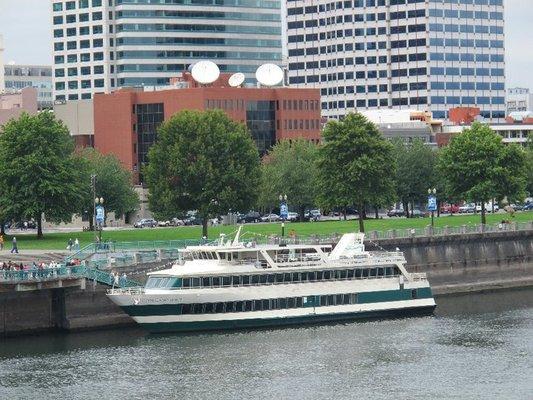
x=269 y=75
x=236 y=80
x=205 y=72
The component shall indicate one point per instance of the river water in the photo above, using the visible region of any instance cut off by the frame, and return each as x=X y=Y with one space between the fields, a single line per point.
x=475 y=347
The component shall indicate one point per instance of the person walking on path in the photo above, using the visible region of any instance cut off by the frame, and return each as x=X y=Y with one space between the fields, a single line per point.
x=1 y=242
x=76 y=244
x=69 y=244
x=14 y=248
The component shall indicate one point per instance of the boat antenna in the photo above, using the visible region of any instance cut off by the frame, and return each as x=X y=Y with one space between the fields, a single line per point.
x=237 y=236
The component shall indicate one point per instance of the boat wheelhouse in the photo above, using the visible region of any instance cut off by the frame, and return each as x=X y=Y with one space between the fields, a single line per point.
x=233 y=284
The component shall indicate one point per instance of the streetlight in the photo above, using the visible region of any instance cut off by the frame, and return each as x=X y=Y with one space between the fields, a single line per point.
x=283 y=212
x=432 y=204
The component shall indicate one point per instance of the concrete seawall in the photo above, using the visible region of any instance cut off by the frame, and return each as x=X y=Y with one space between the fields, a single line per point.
x=454 y=264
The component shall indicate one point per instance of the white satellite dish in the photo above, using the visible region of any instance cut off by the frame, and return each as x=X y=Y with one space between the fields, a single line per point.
x=205 y=72
x=269 y=75
x=236 y=80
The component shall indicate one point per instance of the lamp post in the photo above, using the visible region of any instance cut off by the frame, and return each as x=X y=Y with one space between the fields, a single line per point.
x=283 y=212
x=99 y=215
x=432 y=204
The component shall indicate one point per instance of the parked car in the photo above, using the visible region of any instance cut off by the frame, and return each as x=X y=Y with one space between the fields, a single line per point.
x=252 y=216
x=270 y=218
x=193 y=220
x=163 y=223
x=312 y=215
x=145 y=223
x=176 y=222
x=417 y=213
x=527 y=207
x=449 y=209
x=292 y=216
x=467 y=208
x=395 y=212
x=488 y=207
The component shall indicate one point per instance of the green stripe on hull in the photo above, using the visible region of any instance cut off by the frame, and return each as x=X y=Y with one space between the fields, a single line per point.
x=362 y=298
x=276 y=322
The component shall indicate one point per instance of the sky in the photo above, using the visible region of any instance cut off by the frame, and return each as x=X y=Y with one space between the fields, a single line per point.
x=26 y=27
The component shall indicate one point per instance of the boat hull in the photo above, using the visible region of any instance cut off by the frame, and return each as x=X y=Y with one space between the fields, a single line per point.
x=252 y=323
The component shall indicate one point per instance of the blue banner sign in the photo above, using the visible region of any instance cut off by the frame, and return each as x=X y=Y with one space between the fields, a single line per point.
x=100 y=214
x=432 y=203
x=283 y=211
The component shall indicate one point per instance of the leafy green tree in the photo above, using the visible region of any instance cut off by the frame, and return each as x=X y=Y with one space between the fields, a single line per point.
x=112 y=182
x=202 y=161
x=356 y=164
x=415 y=172
x=38 y=171
x=478 y=167
x=290 y=169
x=529 y=165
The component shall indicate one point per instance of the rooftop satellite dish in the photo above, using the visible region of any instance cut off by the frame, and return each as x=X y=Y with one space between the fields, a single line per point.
x=205 y=72
x=269 y=75
x=236 y=80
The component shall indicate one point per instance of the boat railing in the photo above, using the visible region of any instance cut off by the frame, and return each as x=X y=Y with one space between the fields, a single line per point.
x=418 y=276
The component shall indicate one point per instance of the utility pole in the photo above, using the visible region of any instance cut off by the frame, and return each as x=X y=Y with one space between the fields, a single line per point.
x=93 y=184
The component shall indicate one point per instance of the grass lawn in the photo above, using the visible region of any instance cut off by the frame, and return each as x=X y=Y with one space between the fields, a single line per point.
x=58 y=241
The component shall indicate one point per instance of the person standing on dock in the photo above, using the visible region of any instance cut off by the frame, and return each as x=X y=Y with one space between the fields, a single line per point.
x=1 y=242
x=14 y=248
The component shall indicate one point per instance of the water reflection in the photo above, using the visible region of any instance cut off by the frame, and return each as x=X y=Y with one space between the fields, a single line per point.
x=452 y=355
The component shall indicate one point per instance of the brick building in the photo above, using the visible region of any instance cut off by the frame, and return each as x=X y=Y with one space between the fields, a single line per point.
x=126 y=121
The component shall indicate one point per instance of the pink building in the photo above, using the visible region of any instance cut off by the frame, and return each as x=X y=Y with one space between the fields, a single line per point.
x=14 y=104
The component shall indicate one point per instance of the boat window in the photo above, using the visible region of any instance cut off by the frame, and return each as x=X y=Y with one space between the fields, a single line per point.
x=262 y=279
x=312 y=276
x=304 y=277
x=353 y=298
x=265 y=304
x=373 y=271
x=338 y=299
x=270 y=278
x=346 y=299
x=343 y=274
x=246 y=280
x=255 y=279
x=283 y=303
x=388 y=271
x=287 y=276
x=236 y=280
x=381 y=271
x=186 y=309
x=291 y=302
x=257 y=305
x=248 y=305
x=197 y=308
x=299 y=302
x=206 y=282
x=358 y=273
x=222 y=256
x=196 y=282
x=220 y=307
x=187 y=282
x=414 y=294
x=350 y=273
x=235 y=256
x=216 y=281
x=331 y=300
x=239 y=306
x=279 y=278
x=396 y=271
x=226 y=280
x=327 y=275
x=365 y=272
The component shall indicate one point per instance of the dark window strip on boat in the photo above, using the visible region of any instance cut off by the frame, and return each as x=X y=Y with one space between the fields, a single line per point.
x=271 y=278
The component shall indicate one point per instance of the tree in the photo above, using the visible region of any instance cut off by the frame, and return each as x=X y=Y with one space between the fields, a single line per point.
x=202 y=161
x=290 y=169
x=38 y=171
x=415 y=172
x=476 y=166
x=112 y=182
x=529 y=165
x=356 y=164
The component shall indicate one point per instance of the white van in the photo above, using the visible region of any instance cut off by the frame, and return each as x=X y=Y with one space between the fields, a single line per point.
x=488 y=207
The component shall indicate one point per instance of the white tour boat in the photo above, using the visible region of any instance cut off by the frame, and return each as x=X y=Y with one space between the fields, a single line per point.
x=233 y=284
